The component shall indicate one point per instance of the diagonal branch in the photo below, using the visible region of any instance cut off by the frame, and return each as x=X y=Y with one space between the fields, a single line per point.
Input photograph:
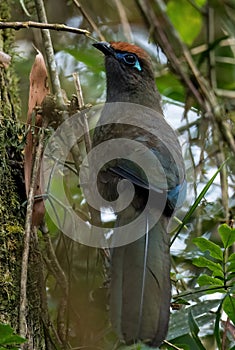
x=155 y=21
x=89 y=20
x=202 y=91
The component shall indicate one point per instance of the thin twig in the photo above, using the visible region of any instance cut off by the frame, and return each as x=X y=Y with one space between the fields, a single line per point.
x=164 y=43
x=207 y=92
x=172 y=345
x=202 y=91
x=54 y=77
x=95 y=216
x=224 y=337
x=28 y=229
x=123 y=17
x=89 y=20
x=41 y=287
x=51 y=26
x=211 y=39
x=220 y=158
x=83 y=114
x=225 y=93
x=188 y=130
x=201 y=10
x=54 y=266
x=56 y=87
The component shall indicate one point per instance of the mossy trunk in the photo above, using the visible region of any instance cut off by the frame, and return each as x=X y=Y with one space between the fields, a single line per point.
x=12 y=212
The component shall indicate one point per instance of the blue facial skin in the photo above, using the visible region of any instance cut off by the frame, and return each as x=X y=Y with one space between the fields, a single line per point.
x=129 y=59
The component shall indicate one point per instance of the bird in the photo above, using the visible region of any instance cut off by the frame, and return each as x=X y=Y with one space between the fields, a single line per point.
x=140 y=287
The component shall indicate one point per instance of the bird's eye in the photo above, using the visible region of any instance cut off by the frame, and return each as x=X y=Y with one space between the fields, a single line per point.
x=129 y=59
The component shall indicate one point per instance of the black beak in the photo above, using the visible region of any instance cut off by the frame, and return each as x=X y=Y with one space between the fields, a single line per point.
x=104 y=47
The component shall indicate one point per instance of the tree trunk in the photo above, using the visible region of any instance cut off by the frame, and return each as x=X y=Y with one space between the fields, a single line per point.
x=12 y=213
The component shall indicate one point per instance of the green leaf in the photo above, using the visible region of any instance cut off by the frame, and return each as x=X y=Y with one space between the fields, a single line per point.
x=227 y=235
x=171 y=87
x=205 y=280
x=177 y=11
x=200 y=3
x=218 y=274
x=229 y=307
x=196 y=203
x=214 y=250
x=231 y=267
x=8 y=337
x=93 y=61
x=231 y=257
x=204 y=262
x=179 y=326
x=194 y=329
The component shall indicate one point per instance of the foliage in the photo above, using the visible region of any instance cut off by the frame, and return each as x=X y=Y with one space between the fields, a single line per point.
x=9 y=340
x=200 y=34
x=179 y=9
x=218 y=277
x=221 y=278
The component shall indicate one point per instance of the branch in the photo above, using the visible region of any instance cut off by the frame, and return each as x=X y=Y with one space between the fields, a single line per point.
x=171 y=345
x=55 y=82
x=54 y=266
x=81 y=106
x=202 y=91
x=95 y=216
x=124 y=20
x=51 y=26
x=156 y=22
x=28 y=229
x=89 y=20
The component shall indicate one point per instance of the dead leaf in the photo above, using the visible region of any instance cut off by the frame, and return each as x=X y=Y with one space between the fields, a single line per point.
x=38 y=90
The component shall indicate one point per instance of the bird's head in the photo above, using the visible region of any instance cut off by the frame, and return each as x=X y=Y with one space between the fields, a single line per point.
x=129 y=72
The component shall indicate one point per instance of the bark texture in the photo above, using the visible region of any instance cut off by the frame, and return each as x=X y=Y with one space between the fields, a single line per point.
x=12 y=212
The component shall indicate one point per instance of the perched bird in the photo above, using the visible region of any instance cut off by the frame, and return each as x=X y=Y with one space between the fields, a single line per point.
x=140 y=270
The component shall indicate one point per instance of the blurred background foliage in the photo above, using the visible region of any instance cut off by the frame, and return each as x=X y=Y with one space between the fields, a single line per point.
x=192 y=45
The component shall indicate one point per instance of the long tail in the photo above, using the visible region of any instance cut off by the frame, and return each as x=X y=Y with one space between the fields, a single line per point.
x=141 y=288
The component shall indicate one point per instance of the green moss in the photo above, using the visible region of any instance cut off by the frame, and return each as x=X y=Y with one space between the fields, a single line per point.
x=11 y=180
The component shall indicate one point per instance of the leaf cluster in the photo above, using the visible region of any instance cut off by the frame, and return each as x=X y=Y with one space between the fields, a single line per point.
x=219 y=262
x=219 y=272
x=9 y=340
